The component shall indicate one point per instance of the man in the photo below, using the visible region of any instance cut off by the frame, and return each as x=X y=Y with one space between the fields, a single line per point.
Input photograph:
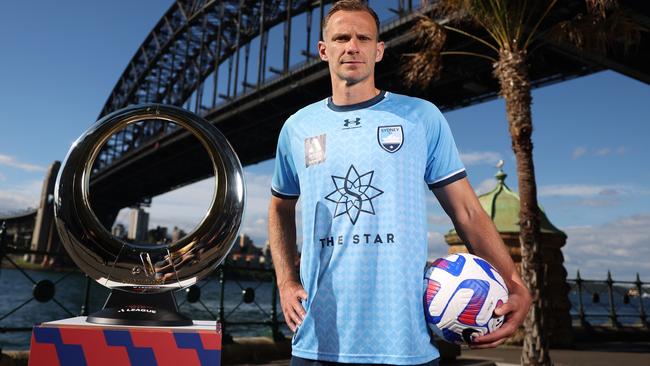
x=359 y=161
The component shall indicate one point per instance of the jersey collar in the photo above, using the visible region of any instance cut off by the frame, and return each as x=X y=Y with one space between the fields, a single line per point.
x=352 y=107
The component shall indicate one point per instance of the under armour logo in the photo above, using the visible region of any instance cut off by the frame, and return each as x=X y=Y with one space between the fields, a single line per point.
x=355 y=123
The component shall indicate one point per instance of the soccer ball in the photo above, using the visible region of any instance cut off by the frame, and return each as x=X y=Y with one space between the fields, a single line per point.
x=461 y=292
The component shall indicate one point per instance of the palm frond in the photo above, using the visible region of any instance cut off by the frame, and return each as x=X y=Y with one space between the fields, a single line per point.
x=533 y=33
x=600 y=8
x=474 y=54
x=511 y=24
x=589 y=32
x=478 y=39
x=420 y=68
x=452 y=10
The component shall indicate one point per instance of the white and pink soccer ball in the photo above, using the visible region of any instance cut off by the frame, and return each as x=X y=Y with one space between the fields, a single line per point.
x=461 y=293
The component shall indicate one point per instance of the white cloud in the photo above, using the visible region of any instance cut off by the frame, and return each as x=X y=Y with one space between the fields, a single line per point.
x=620 y=246
x=598 y=202
x=480 y=157
x=123 y=218
x=579 y=151
x=185 y=207
x=587 y=190
x=594 y=195
x=435 y=214
x=436 y=219
x=18 y=199
x=603 y=151
x=437 y=245
x=485 y=186
x=258 y=196
x=438 y=224
x=12 y=162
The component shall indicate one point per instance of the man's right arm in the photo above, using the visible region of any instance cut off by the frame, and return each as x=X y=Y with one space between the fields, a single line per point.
x=282 y=240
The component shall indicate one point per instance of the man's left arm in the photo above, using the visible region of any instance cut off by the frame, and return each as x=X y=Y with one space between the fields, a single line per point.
x=475 y=227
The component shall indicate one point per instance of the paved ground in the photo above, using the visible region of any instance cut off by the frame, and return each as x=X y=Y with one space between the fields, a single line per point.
x=617 y=354
x=593 y=354
x=587 y=354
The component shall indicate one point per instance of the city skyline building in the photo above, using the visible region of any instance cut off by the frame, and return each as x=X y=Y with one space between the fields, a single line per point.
x=138 y=224
x=177 y=234
x=119 y=231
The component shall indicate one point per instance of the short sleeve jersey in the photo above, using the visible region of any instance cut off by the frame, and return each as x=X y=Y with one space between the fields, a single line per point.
x=360 y=172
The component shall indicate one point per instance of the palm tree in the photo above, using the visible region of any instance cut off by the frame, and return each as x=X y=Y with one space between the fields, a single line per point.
x=510 y=29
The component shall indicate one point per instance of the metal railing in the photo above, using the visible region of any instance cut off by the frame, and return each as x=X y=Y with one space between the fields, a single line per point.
x=623 y=306
x=85 y=295
x=236 y=315
x=252 y=297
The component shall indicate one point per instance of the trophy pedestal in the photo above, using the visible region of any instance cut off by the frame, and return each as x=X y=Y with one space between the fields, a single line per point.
x=74 y=341
x=126 y=308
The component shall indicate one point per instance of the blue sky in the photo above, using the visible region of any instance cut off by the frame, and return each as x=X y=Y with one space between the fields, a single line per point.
x=61 y=60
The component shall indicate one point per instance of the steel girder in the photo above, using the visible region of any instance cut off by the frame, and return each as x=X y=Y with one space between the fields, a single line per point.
x=194 y=37
x=187 y=45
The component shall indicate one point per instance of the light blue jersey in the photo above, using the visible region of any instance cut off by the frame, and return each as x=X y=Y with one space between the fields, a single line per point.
x=359 y=171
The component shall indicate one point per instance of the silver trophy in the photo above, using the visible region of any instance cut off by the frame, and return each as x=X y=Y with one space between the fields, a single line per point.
x=143 y=276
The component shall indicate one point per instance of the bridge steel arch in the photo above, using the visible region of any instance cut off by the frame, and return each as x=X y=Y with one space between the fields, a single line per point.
x=198 y=56
x=185 y=55
x=191 y=40
x=188 y=44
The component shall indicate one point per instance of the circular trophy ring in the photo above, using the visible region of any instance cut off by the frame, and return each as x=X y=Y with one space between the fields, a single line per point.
x=139 y=267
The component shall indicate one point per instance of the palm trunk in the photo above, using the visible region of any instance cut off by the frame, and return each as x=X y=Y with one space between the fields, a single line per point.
x=512 y=72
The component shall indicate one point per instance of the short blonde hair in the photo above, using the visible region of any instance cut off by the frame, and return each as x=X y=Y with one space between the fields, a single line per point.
x=350 y=5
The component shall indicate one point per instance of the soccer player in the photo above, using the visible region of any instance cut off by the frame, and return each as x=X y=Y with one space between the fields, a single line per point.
x=359 y=161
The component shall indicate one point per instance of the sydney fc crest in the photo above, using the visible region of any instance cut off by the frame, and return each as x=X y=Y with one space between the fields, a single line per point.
x=390 y=138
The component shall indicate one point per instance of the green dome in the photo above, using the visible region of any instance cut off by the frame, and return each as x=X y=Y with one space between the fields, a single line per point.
x=502 y=205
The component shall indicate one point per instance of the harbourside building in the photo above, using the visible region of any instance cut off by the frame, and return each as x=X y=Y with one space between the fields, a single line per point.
x=158 y=235
x=245 y=253
x=19 y=228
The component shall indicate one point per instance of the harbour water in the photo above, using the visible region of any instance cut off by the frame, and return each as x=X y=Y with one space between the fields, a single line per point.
x=16 y=288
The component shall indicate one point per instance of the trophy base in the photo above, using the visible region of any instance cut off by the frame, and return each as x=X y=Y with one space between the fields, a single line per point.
x=126 y=308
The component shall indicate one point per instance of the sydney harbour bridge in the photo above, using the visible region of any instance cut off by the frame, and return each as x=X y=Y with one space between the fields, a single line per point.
x=246 y=65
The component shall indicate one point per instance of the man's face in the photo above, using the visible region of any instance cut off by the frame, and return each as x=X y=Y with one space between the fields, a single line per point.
x=350 y=46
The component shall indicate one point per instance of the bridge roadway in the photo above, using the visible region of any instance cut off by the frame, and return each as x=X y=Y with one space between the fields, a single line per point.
x=252 y=120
